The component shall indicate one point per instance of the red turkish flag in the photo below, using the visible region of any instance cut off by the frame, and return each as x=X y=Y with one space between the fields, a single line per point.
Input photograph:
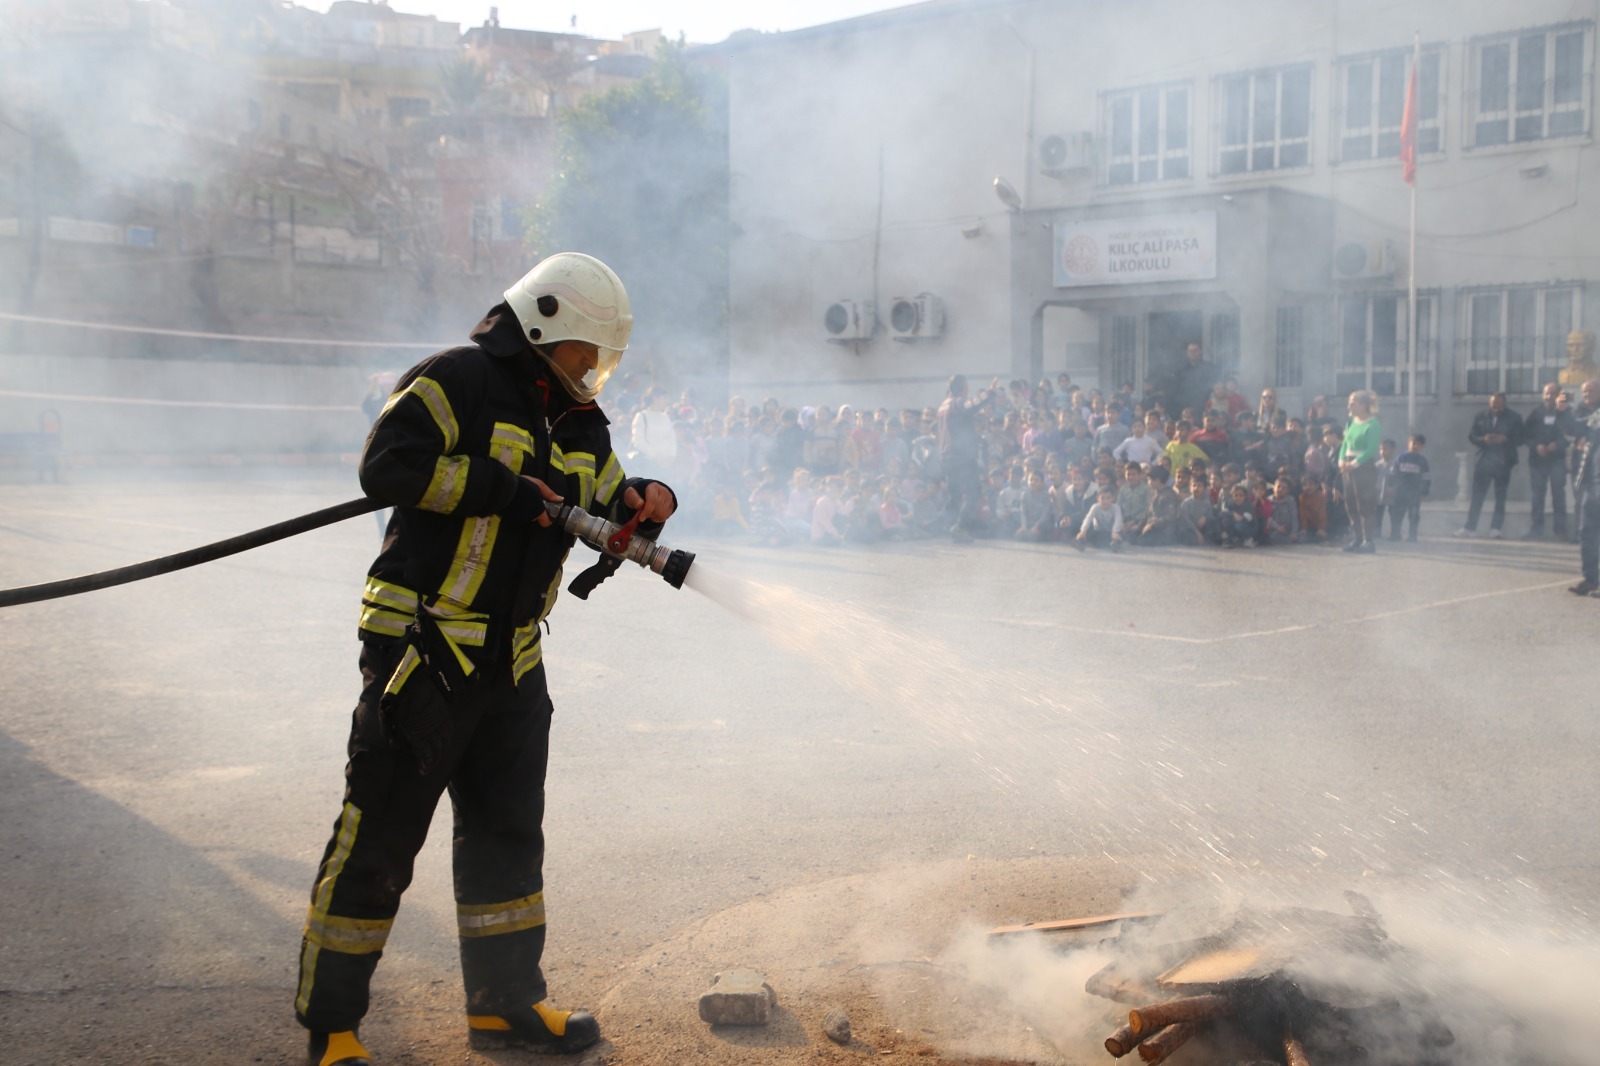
x=1408 y=131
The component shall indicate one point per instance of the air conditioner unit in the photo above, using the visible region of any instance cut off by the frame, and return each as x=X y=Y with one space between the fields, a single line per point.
x=1063 y=154
x=849 y=321
x=1364 y=259
x=916 y=318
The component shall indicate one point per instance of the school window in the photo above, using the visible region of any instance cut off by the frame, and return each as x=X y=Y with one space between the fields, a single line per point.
x=1225 y=341
x=1290 y=348
x=1147 y=134
x=1372 y=104
x=1265 y=120
x=1124 y=348
x=1374 y=339
x=1516 y=339
x=1531 y=86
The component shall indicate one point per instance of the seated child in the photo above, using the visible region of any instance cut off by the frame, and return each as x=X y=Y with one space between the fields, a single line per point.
x=1285 y=522
x=1238 y=519
x=1162 y=523
x=1102 y=526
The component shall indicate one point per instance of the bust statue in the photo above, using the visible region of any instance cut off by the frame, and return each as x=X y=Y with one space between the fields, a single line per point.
x=1580 y=352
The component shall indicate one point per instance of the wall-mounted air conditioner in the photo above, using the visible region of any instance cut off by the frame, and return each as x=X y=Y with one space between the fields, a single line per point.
x=1358 y=260
x=916 y=318
x=1064 y=154
x=849 y=321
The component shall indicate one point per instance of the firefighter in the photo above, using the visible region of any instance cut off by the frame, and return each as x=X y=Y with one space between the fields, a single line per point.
x=468 y=448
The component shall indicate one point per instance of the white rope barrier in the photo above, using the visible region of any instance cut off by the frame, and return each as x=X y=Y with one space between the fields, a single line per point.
x=11 y=316
x=23 y=394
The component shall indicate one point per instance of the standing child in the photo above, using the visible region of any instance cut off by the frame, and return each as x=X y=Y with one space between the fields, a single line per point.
x=1386 y=483
x=1197 y=518
x=1411 y=484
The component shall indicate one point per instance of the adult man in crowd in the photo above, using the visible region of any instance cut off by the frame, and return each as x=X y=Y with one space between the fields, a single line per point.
x=1546 y=438
x=958 y=454
x=1587 y=490
x=468 y=449
x=1496 y=434
x=1192 y=382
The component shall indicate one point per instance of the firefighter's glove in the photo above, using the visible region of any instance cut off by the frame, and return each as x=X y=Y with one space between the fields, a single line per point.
x=418 y=719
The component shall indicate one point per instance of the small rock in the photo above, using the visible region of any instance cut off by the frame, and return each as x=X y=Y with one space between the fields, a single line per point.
x=738 y=997
x=837 y=1026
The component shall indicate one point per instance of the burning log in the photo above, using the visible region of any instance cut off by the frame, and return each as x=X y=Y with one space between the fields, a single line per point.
x=1147 y=1020
x=1122 y=1041
x=1158 y=1048
x=1294 y=1052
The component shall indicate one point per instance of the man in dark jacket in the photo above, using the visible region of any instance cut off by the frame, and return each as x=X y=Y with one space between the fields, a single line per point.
x=959 y=449
x=1496 y=434
x=1546 y=437
x=468 y=449
x=1192 y=382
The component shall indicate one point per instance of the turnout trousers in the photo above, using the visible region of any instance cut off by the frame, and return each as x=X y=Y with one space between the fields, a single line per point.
x=494 y=769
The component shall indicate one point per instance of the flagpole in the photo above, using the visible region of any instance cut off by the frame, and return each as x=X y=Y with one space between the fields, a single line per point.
x=1411 y=315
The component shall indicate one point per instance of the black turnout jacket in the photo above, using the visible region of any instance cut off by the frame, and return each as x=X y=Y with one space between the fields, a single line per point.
x=463 y=556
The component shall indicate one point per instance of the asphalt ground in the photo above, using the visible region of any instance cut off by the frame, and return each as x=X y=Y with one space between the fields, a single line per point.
x=171 y=754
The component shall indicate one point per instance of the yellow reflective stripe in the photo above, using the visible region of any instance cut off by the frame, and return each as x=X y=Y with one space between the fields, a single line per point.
x=390 y=595
x=471 y=634
x=609 y=481
x=515 y=436
x=526 y=651
x=581 y=464
x=402 y=673
x=343 y=843
x=550 y=595
x=384 y=622
x=491 y=919
x=433 y=398
x=448 y=484
x=471 y=562
x=526 y=661
x=353 y=936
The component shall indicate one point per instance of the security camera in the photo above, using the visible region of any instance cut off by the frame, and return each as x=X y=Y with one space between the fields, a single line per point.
x=973 y=229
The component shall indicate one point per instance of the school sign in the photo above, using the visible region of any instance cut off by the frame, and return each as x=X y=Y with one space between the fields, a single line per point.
x=1128 y=251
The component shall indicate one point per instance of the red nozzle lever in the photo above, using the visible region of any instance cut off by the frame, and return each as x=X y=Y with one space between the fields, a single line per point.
x=618 y=542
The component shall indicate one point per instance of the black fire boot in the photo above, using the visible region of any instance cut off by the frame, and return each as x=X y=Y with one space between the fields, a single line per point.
x=337 y=1049
x=539 y=1028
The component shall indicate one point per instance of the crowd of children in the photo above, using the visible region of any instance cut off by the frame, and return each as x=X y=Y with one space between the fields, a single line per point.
x=1063 y=465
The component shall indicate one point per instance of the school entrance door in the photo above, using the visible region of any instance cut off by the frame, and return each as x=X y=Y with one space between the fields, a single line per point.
x=1168 y=335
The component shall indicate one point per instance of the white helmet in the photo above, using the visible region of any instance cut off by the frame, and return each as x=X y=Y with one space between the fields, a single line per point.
x=571 y=296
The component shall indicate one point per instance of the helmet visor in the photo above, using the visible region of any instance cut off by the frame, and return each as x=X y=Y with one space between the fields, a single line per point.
x=586 y=388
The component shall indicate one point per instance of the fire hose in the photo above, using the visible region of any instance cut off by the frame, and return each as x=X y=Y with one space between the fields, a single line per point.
x=611 y=540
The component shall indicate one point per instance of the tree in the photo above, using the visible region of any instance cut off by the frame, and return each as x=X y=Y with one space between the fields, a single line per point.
x=642 y=183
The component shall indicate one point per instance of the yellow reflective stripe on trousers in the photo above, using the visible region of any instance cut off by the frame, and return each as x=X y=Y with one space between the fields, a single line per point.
x=344 y=842
x=449 y=482
x=428 y=392
x=353 y=936
x=492 y=919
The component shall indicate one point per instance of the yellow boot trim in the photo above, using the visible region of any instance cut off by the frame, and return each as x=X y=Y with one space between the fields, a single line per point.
x=342 y=1047
x=554 y=1020
x=488 y=1021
